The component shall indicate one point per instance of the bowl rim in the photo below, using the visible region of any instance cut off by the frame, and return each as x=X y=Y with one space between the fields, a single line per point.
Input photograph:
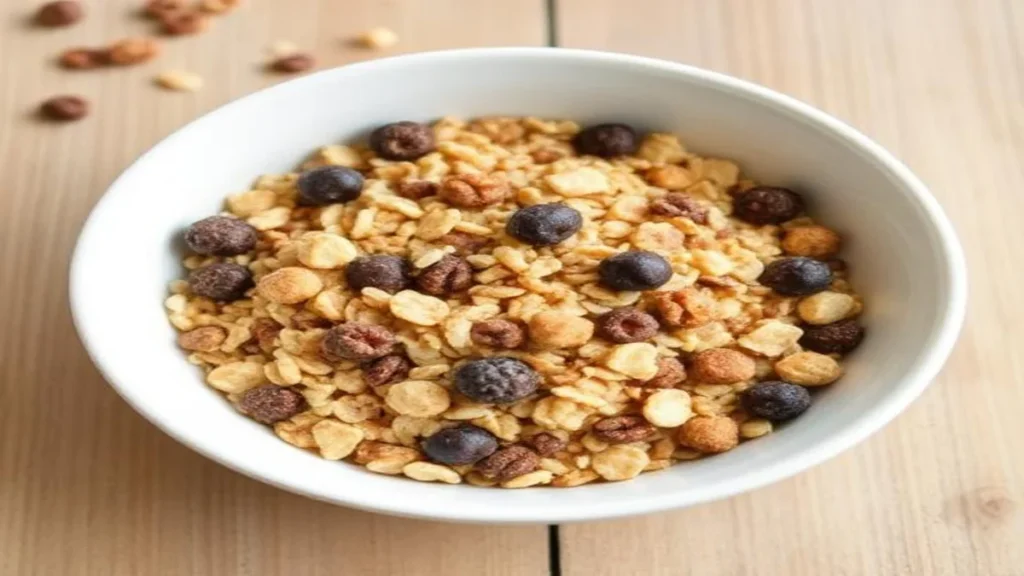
x=908 y=389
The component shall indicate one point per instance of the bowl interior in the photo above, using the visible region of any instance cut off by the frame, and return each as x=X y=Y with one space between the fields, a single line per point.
x=903 y=258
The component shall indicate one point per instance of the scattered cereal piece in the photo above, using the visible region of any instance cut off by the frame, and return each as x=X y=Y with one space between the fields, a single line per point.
x=132 y=51
x=83 y=58
x=59 y=13
x=808 y=369
x=64 y=108
x=218 y=6
x=293 y=63
x=378 y=38
x=184 y=23
x=162 y=8
x=180 y=80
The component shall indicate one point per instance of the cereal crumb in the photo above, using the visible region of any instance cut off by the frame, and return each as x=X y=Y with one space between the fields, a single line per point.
x=180 y=80
x=378 y=38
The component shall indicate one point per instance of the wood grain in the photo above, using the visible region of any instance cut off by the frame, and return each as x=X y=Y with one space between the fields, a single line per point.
x=88 y=487
x=938 y=492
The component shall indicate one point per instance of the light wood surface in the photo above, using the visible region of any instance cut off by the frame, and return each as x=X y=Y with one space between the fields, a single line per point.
x=939 y=491
x=88 y=487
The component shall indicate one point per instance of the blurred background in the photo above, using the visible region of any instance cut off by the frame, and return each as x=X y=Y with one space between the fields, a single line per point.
x=88 y=487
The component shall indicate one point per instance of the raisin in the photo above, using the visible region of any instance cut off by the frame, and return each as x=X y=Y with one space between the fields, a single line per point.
x=624 y=325
x=836 y=338
x=463 y=444
x=496 y=380
x=448 y=275
x=383 y=271
x=767 y=205
x=606 y=140
x=354 y=341
x=402 y=141
x=224 y=281
x=796 y=276
x=775 y=400
x=221 y=236
x=498 y=333
x=269 y=404
x=622 y=429
x=473 y=190
x=329 y=185
x=547 y=444
x=544 y=224
x=670 y=373
x=385 y=370
x=680 y=204
x=508 y=463
x=634 y=270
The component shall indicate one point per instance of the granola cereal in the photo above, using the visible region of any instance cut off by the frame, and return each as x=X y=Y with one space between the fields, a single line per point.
x=514 y=302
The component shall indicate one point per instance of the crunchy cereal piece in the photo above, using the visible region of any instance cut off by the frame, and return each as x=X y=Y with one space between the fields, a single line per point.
x=378 y=38
x=82 y=58
x=498 y=333
x=661 y=149
x=289 y=285
x=575 y=478
x=474 y=190
x=812 y=241
x=357 y=408
x=670 y=177
x=722 y=366
x=64 y=108
x=826 y=307
x=236 y=377
x=386 y=370
x=336 y=440
x=132 y=51
x=297 y=430
x=293 y=63
x=448 y=275
x=184 y=23
x=430 y=472
x=670 y=373
x=632 y=209
x=437 y=224
x=637 y=360
x=620 y=462
x=657 y=236
x=418 y=398
x=559 y=330
x=723 y=173
x=690 y=307
x=556 y=413
x=808 y=369
x=325 y=251
x=709 y=434
x=251 y=202
x=621 y=430
x=508 y=463
x=203 y=339
x=771 y=338
x=219 y=7
x=535 y=478
x=547 y=444
x=710 y=335
x=418 y=308
x=582 y=181
x=667 y=408
x=180 y=80
x=712 y=262
x=755 y=428
x=357 y=341
x=680 y=204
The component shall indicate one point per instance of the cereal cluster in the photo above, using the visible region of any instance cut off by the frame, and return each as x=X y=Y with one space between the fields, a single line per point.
x=515 y=302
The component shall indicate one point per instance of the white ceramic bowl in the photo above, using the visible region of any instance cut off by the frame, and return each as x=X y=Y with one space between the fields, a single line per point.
x=903 y=252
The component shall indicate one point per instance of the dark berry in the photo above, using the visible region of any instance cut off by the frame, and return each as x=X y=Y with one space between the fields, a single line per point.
x=624 y=325
x=836 y=338
x=767 y=205
x=496 y=380
x=389 y=273
x=544 y=224
x=329 y=185
x=776 y=400
x=224 y=281
x=796 y=276
x=606 y=140
x=634 y=270
x=402 y=141
x=355 y=341
x=221 y=236
x=463 y=444
x=448 y=275
x=270 y=403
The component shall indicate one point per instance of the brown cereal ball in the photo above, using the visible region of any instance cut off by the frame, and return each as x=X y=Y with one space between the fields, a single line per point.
x=624 y=325
x=710 y=434
x=354 y=341
x=670 y=373
x=224 y=281
x=449 y=275
x=221 y=236
x=623 y=429
x=498 y=333
x=473 y=190
x=811 y=241
x=808 y=369
x=269 y=404
x=722 y=366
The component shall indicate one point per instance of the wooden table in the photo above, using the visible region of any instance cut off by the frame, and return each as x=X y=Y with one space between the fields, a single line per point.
x=88 y=487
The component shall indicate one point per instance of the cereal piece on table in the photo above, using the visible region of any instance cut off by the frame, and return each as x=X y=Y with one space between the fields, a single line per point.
x=132 y=51
x=59 y=13
x=293 y=63
x=180 y=80
x=559 y=330
x=161 y=8
x=184 y=23
x=64 y=108
x=620 y=462
x=808 y=369
x=378 y=38
x=82 y=58
x=218 y=6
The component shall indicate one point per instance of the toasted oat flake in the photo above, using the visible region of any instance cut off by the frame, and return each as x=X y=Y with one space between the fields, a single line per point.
x=180 y=80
